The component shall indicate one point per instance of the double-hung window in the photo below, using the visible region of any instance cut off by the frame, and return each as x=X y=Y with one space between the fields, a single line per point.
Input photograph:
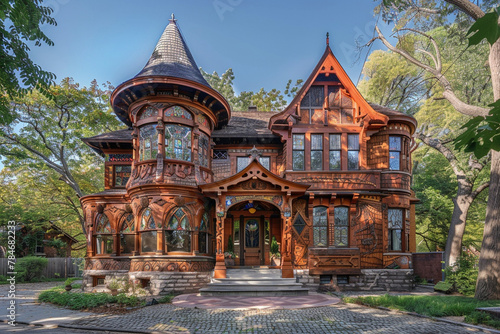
x=298 y=151
x=394 y=153
x=335 y=149
x=316 y=152
x=352 y=151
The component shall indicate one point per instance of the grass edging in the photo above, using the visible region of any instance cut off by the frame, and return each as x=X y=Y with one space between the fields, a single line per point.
x=434 y=307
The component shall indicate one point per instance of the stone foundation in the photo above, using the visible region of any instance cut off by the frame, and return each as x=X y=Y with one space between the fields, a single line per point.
x=160 y=283
x=369 y=280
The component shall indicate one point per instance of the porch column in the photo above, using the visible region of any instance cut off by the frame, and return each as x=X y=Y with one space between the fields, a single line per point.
x=220 y=265
x=286 y=248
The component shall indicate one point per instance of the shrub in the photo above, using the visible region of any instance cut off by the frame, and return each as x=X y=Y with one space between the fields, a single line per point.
x=167 y=299
x=274 y=249
x=463 y=274
x=30 y=267
x=69 y=281
x=444 y=287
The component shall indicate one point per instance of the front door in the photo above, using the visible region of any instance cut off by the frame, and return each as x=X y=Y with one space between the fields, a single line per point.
x=252 y=242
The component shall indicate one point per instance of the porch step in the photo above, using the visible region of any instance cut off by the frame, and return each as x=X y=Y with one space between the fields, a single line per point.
x=254 y=282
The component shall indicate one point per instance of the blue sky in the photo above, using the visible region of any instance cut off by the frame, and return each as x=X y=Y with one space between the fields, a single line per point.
x=264 y=42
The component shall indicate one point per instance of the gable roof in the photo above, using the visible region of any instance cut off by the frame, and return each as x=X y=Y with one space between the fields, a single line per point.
x=328 y=65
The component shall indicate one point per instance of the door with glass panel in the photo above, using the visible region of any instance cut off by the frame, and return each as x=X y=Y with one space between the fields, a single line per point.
x=252 y=242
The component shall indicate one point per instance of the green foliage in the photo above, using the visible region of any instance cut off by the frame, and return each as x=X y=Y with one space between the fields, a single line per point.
x=30 y=268
x=274 y=249
x=272 y=100
x=167 y=299
x=70 y=281
x=230 y=244
x=478 y=317
x=58 y=245
x=434 y=306
x=79 y=301
x=463 y=274
x=486 y=27
x=20 y=23
x=443 y=287
x=482 y=134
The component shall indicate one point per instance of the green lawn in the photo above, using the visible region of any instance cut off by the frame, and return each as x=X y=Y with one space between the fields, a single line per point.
x=434 y=306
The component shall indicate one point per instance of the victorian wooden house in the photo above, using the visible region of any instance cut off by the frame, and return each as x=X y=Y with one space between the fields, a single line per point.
x=328 y=178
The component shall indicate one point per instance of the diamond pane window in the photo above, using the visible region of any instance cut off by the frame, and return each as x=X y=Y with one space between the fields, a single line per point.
x=341 y=229
x=266 y=162
x=178 y=142
x=242 y=163
x=320 y=226
x=299 y=224
x=148 y=142
x=179 y=112
x=203 y=150
x=220 y=155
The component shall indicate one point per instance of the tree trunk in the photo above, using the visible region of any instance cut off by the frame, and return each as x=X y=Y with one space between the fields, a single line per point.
x=461 y=207
x=488 y=280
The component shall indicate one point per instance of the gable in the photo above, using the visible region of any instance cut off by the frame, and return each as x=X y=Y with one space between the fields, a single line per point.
x=329 y=97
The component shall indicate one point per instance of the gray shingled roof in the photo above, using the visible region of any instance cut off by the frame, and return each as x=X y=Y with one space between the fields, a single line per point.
x=171 y=57
x=124 y=135
x=247 y=124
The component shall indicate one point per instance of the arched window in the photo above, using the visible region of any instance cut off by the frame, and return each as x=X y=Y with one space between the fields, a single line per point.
x=148 y=142
x=203 y=234
x=127 y=237
x=178 y=142
x=148 y=232
x=178 y=232
x=341 y=229
x=320 y=226
x=104 y=237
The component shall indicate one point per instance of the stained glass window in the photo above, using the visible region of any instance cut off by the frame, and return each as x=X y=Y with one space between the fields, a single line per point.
x=299 y=224
x=203 y=150
x=127 y=238
x=335 y=149
x=394 y=153
x=179 y=112
x=316 y=152
x=395 y=224
x=341 y=230
x=148 y=112
x=298 y=151
x=178 y=233
x=352 y=151
x=148 y=142
x=122 y=174
x=178 y=142
x=203 y=234
x=252 y=233
x=147 y=220
x=242 y=163
x=104 y=239
x=320 y=226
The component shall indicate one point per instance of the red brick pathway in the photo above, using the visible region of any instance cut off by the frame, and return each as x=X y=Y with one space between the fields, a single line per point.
x=242 y=303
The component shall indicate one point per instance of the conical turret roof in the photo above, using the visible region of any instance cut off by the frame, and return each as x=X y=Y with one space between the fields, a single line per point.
x=171 y=57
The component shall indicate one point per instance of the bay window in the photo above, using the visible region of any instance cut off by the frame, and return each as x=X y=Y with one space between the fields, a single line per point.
x=178 y=142
x=148 y=142
x=127 y=237
x=178 y=232
x=104 y=237
x=394 y=153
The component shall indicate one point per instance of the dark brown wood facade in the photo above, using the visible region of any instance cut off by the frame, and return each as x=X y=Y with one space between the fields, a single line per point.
x=328 y=177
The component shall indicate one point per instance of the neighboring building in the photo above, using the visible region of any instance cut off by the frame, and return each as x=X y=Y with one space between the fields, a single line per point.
x=42 y=241
x=328 y=177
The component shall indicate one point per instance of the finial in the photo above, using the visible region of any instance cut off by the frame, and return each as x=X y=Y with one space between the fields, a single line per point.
x=327 y=38
x=172 y=18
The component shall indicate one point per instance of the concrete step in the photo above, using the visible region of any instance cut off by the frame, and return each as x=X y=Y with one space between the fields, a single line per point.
x=254 y=282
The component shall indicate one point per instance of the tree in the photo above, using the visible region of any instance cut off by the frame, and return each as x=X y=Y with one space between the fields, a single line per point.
x=20 y=22
x=272 y=100
x=391 y=81
x=45 y=139
x=416 y=12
